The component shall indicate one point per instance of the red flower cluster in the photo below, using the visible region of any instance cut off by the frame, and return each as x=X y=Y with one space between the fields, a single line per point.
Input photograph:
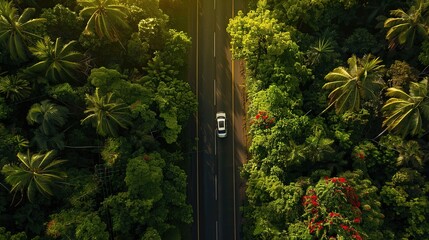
x=357 y=236
x=315 y=226
x=352 y=196
x=334 y=214
x=334 y=218
x=312 y=199
x=355 y=233
x=335 y=180
x=360 y=155
x=262 y=119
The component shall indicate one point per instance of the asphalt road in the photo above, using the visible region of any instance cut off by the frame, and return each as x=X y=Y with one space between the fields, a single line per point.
x=215 y=182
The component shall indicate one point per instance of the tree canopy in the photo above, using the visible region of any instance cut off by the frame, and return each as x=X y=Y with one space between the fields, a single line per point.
x=90 y=144
x=337 y=95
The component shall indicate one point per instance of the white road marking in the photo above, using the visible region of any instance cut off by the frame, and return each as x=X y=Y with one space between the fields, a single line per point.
x=214 y=44
x=214 y=92
x=217 y=230
x=215 y=187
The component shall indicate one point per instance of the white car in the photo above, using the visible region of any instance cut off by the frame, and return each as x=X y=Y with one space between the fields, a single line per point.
x=221 y=124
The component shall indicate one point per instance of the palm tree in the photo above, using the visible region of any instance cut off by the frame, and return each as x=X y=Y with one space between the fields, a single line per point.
x=105 y=114
x=48 y=115
x=407 y=113
x=14 y=87
x=15 y=30
x=362 y=80
x=34 y=172
x=45 y=142
x=106 y=18
x=57 y=62
x=404 y=26
x=324 y=47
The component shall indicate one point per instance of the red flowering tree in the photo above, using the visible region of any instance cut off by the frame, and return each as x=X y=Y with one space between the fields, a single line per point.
x=333 y=210
x=263 y=120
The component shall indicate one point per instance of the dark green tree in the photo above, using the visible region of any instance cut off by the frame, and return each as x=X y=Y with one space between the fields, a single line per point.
x=106 y=114
x=407 y=113
x=34 y=173
x=14 y=87
x=106 y=18
x=362 y=80
x=16 y=31
x=405 y=26
x=57 y=62
x=49 y=115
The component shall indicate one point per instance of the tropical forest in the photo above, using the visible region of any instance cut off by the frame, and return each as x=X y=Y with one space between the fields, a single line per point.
x=338 y=116
x=93 y=99
x=95 y=102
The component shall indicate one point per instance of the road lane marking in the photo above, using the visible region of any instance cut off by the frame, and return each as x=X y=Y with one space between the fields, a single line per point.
x=217 y=230
x=214 y=44
x=215 y=187
x=215 y=151
x=214 y=92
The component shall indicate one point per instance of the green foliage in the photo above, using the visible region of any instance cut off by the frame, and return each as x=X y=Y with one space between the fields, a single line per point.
x=57 y=62
x=176 y=48
x=334 y=207
x=406 y=113
x=361 y=42
x=76 y=224
x=361 y=81
x=14 y=88
x=174 y=190
x=155 y=199
x=405 y=26
x=106 y=18
x=137 y=86
x=320 y=51
x=110 y=80
x=273 y=204
x=29 y=217
x=424 y=53
x=4 y=109
x=144 y=176
x=289 y=147
x=34 y=172
x=113 y=151
x=5 y=235
x=81 y=190
x=10 y=144
x=66 y=94
x=137 y=52
x=151 y=30
x=379 y=161
x=401 y=74
x=267 y=47
x=91 y=228
x=16 y=31
x=406 y=200
x=105 y=114
x=151 y=234
x=59 y=18
x=49 y=115
x=174 y=99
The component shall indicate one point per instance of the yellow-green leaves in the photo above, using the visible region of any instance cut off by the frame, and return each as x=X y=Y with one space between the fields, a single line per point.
x=34 y=173
x=406 y=113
